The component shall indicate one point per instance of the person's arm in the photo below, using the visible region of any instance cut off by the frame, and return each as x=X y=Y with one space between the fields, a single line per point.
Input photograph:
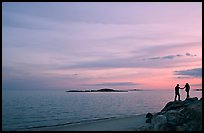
x=184 y=87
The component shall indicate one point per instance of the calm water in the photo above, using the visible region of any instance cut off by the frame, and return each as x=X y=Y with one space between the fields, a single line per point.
x=24 y=110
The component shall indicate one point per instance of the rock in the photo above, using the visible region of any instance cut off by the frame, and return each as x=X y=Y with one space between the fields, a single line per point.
x=194 y=126
x=193 y=112
x=188 y=100
x=158 y=120
x=175 y=118
x=149 y=120
x=172 y=105
x=149 y=115
x=166 y=127
x=177 y=104
x=180 y=128
x=145 y=128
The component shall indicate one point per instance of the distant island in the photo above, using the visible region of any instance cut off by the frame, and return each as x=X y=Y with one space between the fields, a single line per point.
x=136 y=90
x=197 y=89
x=100 y=90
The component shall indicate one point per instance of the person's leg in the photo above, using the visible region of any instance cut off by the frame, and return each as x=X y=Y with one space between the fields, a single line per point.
x=179 y=97
x=188 y=94
x=175 y=97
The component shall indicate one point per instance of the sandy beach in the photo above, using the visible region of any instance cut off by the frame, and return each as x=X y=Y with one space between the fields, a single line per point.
x=129 y=123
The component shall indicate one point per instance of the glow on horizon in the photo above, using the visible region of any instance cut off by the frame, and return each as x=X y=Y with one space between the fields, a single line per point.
x=95 y=45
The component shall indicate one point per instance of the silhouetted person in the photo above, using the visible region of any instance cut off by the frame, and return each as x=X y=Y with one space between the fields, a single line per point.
x=187 y=86
x=177 y=92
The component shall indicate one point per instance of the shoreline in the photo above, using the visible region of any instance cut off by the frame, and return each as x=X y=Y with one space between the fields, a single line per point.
x=125 y=123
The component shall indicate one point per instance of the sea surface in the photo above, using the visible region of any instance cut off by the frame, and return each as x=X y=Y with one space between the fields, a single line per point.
x=27 y=110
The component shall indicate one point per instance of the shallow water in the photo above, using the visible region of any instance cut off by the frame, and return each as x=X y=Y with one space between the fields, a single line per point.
x=22 y=110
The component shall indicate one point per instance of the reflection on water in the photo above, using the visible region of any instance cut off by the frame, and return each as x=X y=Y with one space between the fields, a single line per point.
x=26 y=109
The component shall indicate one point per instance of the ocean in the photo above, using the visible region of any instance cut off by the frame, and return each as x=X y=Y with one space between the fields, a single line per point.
x=26 y=110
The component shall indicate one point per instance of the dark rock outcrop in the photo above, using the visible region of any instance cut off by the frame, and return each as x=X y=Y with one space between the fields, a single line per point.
x=177 y=116
x=149 y=117
x=172 y=105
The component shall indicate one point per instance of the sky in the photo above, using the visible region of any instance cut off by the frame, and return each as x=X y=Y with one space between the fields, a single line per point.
x=92 y=45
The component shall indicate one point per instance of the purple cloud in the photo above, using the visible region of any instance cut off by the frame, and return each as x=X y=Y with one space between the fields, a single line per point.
x=196 y=72
x=47 y=43
x=196 y=84
x=170 y=56
x=188 y=54
x=129 y=62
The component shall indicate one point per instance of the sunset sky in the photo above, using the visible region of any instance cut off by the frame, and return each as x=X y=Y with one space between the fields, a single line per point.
x=95 y=45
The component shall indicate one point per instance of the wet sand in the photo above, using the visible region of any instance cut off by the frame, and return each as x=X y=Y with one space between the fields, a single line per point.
x=129 y=123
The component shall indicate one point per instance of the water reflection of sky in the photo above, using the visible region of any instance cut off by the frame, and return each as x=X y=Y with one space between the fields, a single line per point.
x=23 y=109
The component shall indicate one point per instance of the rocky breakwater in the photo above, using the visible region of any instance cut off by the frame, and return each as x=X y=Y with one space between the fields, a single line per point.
x=176 y=116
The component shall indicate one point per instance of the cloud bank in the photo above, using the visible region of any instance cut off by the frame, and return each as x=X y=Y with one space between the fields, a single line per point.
x=196 y=72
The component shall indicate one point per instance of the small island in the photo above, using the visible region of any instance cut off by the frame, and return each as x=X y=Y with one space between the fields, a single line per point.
x=197 y=89
x=100 y=90
x=136 y=90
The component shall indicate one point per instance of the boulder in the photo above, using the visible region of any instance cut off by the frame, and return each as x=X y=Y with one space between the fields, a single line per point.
x=193 y=112
x=158 y=120
x=189 y=101
x=172 y=105
x=166 y=127
x=149 y=120
x=177 y=116
x=192 y=98
x=178 y=104
x=174 y=117
x=149 y=117
x=193 y=126
x=180 y=128
x=145 y=128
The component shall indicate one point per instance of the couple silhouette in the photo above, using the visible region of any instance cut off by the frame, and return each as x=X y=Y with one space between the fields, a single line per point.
x=187 y=86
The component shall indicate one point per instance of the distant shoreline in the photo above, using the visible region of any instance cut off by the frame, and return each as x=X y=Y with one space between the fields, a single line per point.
x=104 y=90
x=100 y=90
x=197 y=89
